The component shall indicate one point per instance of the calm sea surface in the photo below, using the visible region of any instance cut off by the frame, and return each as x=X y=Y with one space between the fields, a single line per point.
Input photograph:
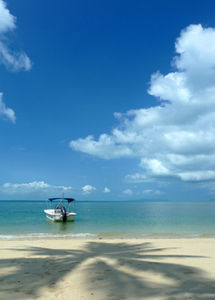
x=21 y=218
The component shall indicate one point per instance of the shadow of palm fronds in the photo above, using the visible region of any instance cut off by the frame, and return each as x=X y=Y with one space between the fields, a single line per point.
x=117 y=270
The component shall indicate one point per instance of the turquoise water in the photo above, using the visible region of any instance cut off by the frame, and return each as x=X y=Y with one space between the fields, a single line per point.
x=21 y=218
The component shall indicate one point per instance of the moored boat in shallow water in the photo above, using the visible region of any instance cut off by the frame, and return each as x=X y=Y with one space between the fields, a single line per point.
x=61 y=212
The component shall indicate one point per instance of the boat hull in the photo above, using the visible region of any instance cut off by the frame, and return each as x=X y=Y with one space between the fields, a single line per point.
x=57 y=217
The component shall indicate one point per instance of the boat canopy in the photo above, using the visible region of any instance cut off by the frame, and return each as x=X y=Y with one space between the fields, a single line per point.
x=67 y=199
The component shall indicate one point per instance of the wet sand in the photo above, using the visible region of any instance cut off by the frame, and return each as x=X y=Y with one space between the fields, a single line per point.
x=107 y=269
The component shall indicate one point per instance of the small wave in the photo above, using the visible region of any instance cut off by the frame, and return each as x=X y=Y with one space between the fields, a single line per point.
x=46 y=236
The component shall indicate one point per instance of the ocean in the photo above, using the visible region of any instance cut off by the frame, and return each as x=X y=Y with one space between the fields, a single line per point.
x=110 y=218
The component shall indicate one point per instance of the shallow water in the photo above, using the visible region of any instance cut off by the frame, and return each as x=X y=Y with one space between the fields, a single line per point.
x=26 y=218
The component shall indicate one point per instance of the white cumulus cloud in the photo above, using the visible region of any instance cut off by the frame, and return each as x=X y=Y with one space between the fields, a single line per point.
x=5 y=111
x=7 y=21
x=128 y=192
x=87 y=189
x=14 y=60
x=106 y=190
x=152 y=192
x=175 y=138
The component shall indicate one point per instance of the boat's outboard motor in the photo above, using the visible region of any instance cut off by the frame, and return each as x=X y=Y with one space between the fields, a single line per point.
x=63 y=213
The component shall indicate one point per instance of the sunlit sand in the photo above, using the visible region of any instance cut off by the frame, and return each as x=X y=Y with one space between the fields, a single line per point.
x=108 y=269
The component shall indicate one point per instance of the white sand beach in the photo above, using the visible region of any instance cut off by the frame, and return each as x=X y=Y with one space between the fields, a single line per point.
x=107 y=269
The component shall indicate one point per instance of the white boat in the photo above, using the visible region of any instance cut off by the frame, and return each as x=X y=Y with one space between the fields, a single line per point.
x=60 y=213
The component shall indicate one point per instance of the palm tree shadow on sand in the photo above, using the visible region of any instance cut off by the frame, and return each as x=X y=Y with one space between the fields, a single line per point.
x=115 y=270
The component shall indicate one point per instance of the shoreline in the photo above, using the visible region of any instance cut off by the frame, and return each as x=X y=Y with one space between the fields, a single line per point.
x=103 y=269
x=106 y=236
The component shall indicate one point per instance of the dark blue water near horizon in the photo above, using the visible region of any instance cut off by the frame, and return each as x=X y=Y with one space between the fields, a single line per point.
x=26 y=218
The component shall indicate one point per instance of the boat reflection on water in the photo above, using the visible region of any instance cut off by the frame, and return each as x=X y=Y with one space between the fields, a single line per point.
x=61 y=228
x=65 y=227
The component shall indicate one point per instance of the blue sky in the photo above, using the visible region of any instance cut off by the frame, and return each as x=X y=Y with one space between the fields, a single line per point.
x=82 y=112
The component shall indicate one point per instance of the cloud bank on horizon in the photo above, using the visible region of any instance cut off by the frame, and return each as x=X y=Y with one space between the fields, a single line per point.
x=44 y=188
x=31 y=187
x=176 y=138
x=12 y=60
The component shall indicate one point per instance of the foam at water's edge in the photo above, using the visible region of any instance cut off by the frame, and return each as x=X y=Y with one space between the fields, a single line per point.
x=46 y=236
x=110 y=235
